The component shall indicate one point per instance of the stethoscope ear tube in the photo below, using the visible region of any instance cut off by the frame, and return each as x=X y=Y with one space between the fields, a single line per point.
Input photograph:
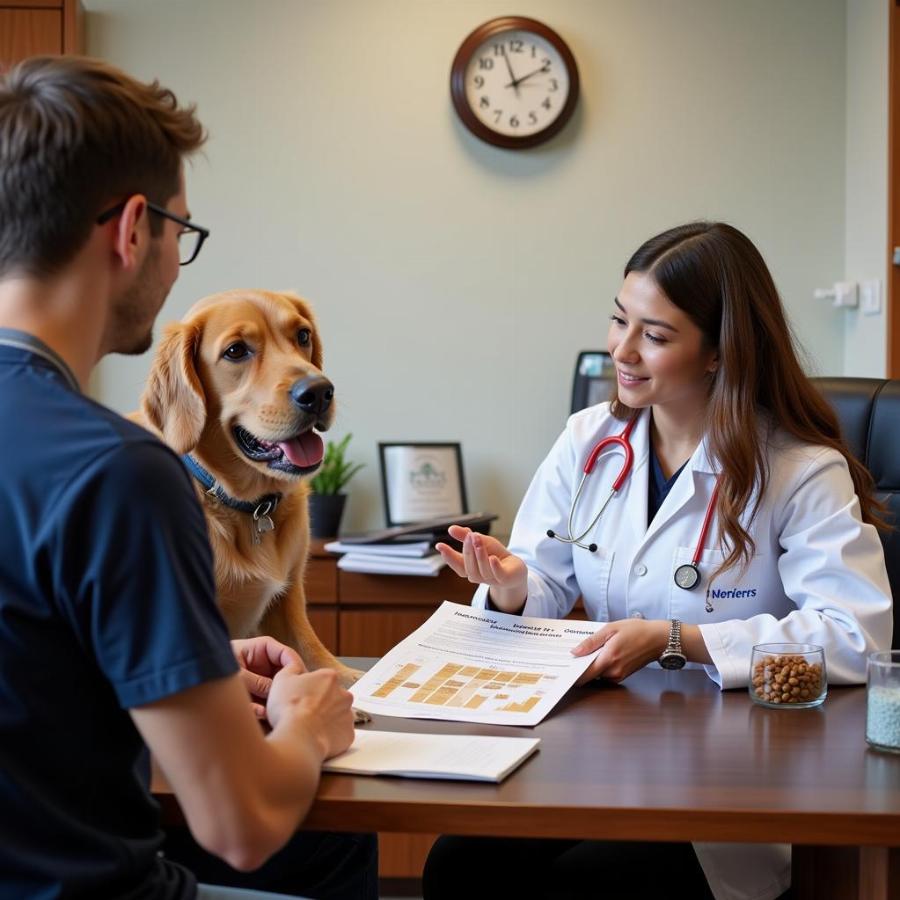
x=592 y=548
x=623 y=441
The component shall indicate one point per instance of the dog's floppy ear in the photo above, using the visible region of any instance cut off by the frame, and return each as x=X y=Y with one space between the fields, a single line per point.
x=173 y=401
x=317 y=344
x=307 y=313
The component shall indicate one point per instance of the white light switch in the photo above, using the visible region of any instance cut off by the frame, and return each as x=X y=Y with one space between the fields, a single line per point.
x=846 y=294
x=870 y=297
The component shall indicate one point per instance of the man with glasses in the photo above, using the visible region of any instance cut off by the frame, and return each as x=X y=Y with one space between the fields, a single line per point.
x=110 y=639
x=190 y=236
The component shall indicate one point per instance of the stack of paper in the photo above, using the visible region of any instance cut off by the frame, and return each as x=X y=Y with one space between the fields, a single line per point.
x=413 y=549
x=463 y=756
x=391 y=565
x=417 y=558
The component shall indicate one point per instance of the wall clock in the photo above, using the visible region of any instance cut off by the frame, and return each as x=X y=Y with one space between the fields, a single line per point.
x=514 y=82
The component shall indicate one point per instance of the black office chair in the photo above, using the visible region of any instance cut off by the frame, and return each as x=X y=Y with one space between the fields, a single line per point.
x=595 y=374
x=869 y=412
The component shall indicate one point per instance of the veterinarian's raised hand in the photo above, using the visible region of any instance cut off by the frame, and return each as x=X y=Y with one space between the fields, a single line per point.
x=260 y=658
x=485 y=560
x=319 y=699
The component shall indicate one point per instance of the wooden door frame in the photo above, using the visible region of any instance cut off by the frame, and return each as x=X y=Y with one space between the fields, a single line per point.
x=893 y=271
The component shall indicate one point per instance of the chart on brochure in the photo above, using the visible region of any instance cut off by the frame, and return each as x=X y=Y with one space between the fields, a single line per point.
x=476 y=665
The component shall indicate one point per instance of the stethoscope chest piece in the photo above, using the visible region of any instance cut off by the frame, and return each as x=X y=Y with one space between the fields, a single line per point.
x=687 y=576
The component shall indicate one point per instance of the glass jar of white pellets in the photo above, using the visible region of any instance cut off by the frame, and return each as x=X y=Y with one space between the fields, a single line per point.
x=883 y=701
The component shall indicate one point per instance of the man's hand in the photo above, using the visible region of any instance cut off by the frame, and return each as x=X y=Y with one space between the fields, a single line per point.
x=627 y=645
x=260 y=658
x=322 y=703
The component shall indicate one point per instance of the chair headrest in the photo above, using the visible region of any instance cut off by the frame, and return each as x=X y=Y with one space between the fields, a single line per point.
x=869 y=412
x=884 y=438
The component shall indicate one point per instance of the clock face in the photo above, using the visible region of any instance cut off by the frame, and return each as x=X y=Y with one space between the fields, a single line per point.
x=514 y=82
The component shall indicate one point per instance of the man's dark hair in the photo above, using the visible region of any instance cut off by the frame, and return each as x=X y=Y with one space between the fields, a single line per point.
x=77 y=134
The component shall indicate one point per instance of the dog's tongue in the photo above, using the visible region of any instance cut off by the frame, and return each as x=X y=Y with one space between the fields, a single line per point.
x=305 y=450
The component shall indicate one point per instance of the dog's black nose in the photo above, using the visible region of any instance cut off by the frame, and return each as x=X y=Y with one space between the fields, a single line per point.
x=313 y=394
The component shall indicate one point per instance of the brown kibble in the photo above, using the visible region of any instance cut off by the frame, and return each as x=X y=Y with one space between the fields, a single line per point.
x=786 y=679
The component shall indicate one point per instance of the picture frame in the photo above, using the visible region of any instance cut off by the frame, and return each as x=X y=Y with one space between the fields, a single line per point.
x=421 y=481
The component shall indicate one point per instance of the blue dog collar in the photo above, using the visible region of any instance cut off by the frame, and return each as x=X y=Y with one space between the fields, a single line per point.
x=260 y=508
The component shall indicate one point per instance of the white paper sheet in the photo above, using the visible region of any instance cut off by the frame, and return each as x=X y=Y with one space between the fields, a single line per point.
x=468 y=757
x=475 y=665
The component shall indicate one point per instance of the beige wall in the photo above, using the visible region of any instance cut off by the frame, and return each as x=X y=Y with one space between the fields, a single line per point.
x=455 y=282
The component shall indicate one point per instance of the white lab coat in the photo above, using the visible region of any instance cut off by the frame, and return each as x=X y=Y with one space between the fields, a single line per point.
x=817 y=575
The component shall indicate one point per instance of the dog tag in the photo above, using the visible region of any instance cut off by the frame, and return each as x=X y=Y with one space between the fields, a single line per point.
x=264 y=524
x=262 y=521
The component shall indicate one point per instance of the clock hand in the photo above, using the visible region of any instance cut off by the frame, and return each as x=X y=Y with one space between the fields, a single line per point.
x=513 y=83
x=517 y=81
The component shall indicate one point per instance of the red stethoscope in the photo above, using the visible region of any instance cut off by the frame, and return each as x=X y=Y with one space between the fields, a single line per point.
x=687 y=576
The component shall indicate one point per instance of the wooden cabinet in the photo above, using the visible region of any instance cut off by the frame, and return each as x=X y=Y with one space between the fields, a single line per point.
x=356 y=614
x=378 y=611
x=38 y=27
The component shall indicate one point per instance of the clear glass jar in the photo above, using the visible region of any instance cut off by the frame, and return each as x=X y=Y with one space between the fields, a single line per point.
x=788 y=676
x=883 y=700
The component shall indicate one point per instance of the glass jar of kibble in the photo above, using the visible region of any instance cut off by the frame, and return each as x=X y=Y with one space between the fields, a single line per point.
x=788 y=675
x=883 y=701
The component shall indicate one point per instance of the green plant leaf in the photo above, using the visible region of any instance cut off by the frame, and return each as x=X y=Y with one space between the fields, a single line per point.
x=335 y=472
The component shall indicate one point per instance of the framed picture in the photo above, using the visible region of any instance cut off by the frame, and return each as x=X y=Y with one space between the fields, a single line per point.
x=421 y=481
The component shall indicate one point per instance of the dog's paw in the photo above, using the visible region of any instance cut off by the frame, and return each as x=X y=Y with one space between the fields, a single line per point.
x=360 y=717
x=349 y=676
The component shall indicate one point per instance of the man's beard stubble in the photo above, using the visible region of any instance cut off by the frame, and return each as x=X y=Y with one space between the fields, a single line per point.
x=134 y=313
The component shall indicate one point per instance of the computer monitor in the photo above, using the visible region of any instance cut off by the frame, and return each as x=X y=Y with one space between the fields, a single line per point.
x=595 y=375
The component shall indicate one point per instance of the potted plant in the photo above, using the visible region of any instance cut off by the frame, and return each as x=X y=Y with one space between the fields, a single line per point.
x=326 y=502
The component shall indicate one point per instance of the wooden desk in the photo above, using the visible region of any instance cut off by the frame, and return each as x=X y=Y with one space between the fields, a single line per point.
x=667 y=756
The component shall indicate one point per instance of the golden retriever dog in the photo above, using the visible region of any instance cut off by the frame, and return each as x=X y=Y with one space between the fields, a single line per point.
x=237 y=388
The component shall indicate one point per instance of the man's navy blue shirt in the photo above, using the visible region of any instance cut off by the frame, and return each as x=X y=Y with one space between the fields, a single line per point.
x=106 y=603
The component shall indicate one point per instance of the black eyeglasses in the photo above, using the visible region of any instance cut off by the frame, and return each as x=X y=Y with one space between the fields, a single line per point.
x=190 y=238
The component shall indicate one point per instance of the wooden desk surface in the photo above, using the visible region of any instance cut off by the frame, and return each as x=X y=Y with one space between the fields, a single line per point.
x=664 y=756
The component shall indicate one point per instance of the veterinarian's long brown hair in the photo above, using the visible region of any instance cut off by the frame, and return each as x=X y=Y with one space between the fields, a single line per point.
x=716 y=275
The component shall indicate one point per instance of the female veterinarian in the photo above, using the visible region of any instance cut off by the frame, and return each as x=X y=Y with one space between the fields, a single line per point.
x=732 y=512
